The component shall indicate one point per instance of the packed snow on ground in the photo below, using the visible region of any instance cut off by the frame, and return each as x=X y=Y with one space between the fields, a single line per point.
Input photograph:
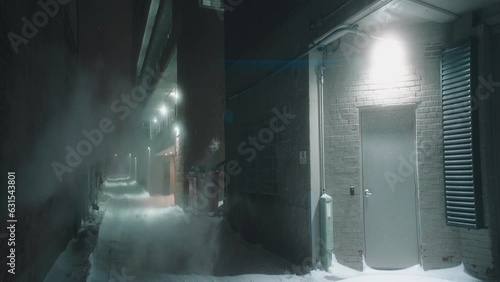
x=412 y=274
x=142 y=238
x=73 y=264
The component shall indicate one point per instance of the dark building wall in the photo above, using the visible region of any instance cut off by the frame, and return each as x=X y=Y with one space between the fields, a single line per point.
x=106 y=36
x=106 y=45
x=495 y=117
x=480 y=247
x=268 y=196
x=200 y=84
x=269 y=200
x=37 y=81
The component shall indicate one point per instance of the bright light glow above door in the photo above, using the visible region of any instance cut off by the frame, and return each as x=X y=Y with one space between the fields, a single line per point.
x=388 y=59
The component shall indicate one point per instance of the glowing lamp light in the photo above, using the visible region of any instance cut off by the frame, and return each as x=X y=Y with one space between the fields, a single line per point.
x=155 y=120
x=163 y=110
x=175 y=95
x=388 y=59
x=177 y=130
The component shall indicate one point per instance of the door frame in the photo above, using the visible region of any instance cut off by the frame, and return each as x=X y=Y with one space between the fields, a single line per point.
x=413 y=107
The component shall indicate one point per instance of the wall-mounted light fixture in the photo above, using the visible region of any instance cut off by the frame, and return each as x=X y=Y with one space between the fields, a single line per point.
x=388 y=59
x=163 y=110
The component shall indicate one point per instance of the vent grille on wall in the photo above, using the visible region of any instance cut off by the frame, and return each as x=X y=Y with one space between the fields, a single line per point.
x=461 y=158
x=212 y=4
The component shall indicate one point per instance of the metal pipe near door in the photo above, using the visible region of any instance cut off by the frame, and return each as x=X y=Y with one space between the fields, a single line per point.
x=321 y=69
x=326 y=219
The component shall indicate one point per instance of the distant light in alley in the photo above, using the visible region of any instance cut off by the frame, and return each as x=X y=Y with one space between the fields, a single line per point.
x=116 y=155
x=149 y=148
x=175 y=95
x=177 y=130
x=163 y=110
x=155 y=120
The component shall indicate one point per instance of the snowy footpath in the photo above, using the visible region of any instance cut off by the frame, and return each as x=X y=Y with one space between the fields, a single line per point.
x=136 y=237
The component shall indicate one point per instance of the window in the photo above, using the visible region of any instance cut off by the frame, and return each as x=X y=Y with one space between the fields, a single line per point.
x=212 y=4
x=460 y=137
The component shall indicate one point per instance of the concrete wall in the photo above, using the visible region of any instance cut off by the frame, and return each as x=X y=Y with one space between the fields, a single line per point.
x=269 y=198
x=480 y=247
x=280 y=216
x=350 y=85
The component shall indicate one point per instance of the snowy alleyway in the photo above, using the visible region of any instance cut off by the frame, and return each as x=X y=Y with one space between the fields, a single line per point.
x=143 y=238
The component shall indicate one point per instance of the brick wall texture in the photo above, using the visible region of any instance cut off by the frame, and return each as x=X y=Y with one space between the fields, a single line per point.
x=351 y=84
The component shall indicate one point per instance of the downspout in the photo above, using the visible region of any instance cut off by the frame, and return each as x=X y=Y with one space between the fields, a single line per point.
x=321 y=69
x=325 y=201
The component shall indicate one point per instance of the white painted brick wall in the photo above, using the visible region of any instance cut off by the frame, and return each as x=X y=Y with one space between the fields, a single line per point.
x=349 y=85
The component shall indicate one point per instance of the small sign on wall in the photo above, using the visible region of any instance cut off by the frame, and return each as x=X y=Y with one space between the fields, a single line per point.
x=303 y=157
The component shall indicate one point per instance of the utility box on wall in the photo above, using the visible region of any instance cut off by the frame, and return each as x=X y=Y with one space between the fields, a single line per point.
x=326 y=230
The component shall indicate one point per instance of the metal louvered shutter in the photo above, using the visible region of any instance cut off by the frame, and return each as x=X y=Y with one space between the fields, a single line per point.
x=461 y=155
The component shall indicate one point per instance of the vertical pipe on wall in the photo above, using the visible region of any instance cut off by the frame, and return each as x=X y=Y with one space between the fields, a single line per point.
x=321 y=69
x=326 y=223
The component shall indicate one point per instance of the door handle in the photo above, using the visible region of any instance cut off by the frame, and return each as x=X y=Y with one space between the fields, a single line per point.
x=367 y=193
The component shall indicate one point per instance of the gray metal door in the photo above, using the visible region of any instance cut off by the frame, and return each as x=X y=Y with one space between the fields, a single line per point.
x=389 y=187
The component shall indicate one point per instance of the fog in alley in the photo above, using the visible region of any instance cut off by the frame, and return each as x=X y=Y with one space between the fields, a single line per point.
x=249 y=140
